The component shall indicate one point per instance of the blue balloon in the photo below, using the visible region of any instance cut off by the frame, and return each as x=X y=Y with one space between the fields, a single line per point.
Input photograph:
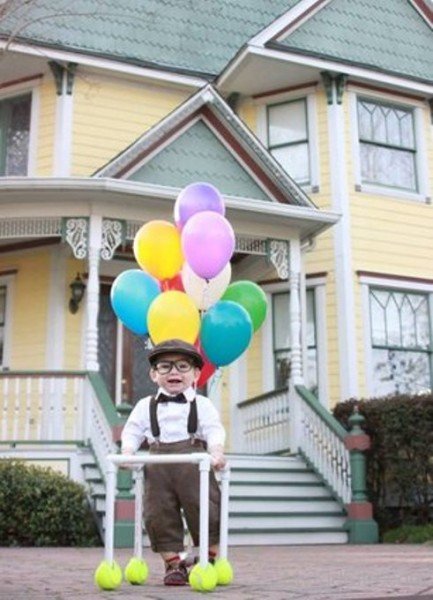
x=131 y=295
x=226 y=331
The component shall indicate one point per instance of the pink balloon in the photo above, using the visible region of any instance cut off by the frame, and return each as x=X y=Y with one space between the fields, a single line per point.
x=208 y=243
x=195 y=198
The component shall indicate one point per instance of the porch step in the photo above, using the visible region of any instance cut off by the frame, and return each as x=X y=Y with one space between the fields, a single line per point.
x=278 y=501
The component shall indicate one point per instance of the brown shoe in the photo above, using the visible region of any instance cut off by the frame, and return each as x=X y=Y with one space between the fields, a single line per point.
x=176 y=574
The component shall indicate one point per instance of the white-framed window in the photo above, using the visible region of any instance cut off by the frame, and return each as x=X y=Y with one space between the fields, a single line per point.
x=398 y=336
x=287 y=126
x=389 y=145
x=288 y=138
x=281 y=344
x=15 y=120
x=3 y=290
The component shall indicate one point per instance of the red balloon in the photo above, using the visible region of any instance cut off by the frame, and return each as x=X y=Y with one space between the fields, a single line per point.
x=208 y=368
x=207 y=371
x=175 y=283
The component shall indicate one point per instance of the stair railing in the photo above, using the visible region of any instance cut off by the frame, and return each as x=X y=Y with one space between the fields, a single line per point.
x=265 y=423
x=322 y=442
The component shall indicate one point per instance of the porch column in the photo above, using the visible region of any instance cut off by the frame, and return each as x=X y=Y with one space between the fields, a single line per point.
x=296 y=367
x=95 y=242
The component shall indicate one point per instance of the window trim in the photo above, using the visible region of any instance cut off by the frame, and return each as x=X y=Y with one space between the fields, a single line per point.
x=22 y=90
x=8 y=282
x=369 y=281
x=318 y=285
x=418 y=108
x=309 y=95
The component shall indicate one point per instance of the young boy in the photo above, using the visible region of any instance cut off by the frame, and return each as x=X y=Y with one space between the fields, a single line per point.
x=176 y=420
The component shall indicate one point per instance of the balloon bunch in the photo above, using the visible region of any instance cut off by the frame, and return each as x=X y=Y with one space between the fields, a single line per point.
x=183 y=288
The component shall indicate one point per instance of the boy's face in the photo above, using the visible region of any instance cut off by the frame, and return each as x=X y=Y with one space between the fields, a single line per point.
x=174 y=372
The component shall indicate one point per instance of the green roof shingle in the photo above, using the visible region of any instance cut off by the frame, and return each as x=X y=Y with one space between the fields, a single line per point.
x=194 y=35
x=198 y=155
x=388 y=35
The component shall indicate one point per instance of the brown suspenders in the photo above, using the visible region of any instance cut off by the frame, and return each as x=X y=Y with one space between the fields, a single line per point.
x=154 y=425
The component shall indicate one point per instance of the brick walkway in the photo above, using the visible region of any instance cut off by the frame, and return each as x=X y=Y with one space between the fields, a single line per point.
x=261 y=573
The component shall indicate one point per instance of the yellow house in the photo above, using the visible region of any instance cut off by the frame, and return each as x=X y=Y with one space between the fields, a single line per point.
x=313 y=119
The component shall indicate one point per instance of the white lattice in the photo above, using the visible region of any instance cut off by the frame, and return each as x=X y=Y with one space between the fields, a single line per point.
x=30 y=227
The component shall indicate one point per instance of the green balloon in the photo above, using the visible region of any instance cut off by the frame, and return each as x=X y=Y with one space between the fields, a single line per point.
x=251 y=297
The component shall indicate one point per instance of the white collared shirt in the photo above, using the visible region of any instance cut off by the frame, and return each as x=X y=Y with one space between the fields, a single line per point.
x=173 y=422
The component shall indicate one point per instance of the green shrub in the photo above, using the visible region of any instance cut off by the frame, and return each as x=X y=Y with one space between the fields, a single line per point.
x=39 y=507
x=409 y=534
x=400 y=461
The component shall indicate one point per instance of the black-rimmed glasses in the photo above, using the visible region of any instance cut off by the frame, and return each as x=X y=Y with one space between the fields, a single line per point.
x=165 y=366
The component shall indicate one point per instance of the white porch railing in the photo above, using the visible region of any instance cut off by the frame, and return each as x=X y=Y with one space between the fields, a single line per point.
x=42 y=406
x=322 y=444
x=57 y=407
x=265 y=424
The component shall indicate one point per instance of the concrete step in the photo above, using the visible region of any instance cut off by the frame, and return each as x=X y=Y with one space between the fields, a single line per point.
x=273 y=488
x=279 y=475
x=305 y=504
x=275 y=521
x=263 y=537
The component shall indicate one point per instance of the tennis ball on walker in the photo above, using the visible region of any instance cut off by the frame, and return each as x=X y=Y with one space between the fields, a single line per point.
x=108 y=576
x=203 y=579
x=136 y=571
x=224 y=571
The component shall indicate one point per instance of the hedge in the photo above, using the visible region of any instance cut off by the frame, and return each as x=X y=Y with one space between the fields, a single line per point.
x=400 y=461
x=40 y=507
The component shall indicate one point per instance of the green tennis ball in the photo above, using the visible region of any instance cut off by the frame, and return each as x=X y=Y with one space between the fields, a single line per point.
x=136 y=571
x=108 y=576
x=203 y=579
x=224 y=571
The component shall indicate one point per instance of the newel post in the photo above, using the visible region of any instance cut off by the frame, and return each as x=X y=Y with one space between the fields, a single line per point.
x=360 y=524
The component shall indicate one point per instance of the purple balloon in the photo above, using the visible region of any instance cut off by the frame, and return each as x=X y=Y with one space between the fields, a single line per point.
x=196 y=198
x=208 y=243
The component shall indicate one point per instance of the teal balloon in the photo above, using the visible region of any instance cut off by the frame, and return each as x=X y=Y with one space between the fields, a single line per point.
x=251 y=296
x=226 y=331
x=132 y=293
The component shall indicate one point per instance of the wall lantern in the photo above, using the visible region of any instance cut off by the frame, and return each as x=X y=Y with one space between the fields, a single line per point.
x=77 y=292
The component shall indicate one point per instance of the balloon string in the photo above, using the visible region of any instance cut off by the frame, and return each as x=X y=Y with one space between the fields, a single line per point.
x=214 y=382
x=205 y=296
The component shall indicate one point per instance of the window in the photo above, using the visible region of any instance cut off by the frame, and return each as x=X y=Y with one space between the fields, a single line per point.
x=387 y=145
x=2 y=321
x=288 y=138
x=401 y=342
x=14 y=135
x=281 y=340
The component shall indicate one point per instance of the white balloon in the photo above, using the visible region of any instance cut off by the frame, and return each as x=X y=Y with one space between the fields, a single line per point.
x=204 y=292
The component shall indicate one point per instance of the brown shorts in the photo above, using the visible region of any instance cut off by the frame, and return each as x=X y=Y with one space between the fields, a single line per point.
x=171 y=487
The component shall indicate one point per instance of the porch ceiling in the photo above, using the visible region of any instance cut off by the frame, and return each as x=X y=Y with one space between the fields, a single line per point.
x=136 y=201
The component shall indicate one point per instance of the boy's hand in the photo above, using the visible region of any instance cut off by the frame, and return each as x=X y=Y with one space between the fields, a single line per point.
x=129 y=466
x=218 y=460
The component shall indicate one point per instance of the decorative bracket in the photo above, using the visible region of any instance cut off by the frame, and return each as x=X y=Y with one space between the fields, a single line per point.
x=278 y=254
x=113 y=235
x=58 y=72
x=330 y=82
x=75 y=231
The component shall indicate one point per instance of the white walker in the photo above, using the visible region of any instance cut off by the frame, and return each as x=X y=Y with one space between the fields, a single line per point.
x=204 y=576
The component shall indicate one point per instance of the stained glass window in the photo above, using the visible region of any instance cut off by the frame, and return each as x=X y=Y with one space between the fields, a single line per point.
x=387 y=145
x=14 y=135
x=401 y=341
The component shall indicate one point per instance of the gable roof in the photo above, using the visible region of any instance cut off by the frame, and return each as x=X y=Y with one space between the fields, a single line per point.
x=393 y=36
x=204 y=140
x=195 y=36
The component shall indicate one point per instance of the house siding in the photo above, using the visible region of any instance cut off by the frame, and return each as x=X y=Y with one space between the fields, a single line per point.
x=111 y=113
x=46 y=128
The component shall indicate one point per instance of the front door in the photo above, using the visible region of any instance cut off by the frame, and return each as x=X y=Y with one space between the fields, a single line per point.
x=122 y=356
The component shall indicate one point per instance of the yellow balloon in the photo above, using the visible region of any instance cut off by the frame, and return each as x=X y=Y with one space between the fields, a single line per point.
x=173 y=315
x=158 y=250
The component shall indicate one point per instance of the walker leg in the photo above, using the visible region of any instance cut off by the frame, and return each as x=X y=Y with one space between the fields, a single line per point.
x=204 y=512
x=109 y=512
x=138 y=514
x=224 y=515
